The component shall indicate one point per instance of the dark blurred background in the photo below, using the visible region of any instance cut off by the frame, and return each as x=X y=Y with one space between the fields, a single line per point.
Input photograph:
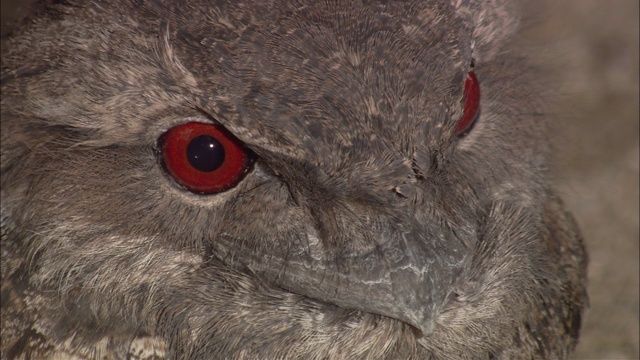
x=591 y=47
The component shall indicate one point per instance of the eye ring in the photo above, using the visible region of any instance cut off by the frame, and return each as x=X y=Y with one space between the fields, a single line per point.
x=471 y=105
x=204 y=158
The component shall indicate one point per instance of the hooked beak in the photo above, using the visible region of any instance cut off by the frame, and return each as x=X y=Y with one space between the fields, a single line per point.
x=408 y=278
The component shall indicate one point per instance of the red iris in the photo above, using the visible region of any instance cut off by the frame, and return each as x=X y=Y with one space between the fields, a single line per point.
x=204 y=158
x=471 y=104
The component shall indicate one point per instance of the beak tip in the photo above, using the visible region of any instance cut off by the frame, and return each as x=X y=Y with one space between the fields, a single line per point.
x=420 y=322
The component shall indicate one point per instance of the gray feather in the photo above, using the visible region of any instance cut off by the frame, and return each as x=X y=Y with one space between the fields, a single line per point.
x=365 y=229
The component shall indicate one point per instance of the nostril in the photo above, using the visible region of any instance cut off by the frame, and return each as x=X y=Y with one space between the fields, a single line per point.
x=404 y=190
x=421 y=164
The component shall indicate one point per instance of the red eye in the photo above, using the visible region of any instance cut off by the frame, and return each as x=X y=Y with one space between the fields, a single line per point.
x=471 y=104
x=204 y=158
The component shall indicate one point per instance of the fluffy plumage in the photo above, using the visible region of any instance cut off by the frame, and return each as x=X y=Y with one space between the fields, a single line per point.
x=350 y=107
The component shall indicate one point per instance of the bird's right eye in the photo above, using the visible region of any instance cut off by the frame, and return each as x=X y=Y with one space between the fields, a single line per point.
x=204 y=158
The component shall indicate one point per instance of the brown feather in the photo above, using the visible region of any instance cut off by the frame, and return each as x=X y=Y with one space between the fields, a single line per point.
x=359 y=183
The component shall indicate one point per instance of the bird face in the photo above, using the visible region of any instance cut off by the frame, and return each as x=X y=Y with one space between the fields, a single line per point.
x=236 y=178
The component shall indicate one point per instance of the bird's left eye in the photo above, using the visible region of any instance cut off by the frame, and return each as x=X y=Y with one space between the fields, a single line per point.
x=204 y=158
x=471 y=107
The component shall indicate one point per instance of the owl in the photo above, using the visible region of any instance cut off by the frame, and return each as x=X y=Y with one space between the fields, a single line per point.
x=272 y=179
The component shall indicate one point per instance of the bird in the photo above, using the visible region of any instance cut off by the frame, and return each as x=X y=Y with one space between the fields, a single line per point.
x=269 y=179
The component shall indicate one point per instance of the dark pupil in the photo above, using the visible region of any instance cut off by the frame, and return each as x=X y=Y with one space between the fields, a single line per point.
x=205 y=153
